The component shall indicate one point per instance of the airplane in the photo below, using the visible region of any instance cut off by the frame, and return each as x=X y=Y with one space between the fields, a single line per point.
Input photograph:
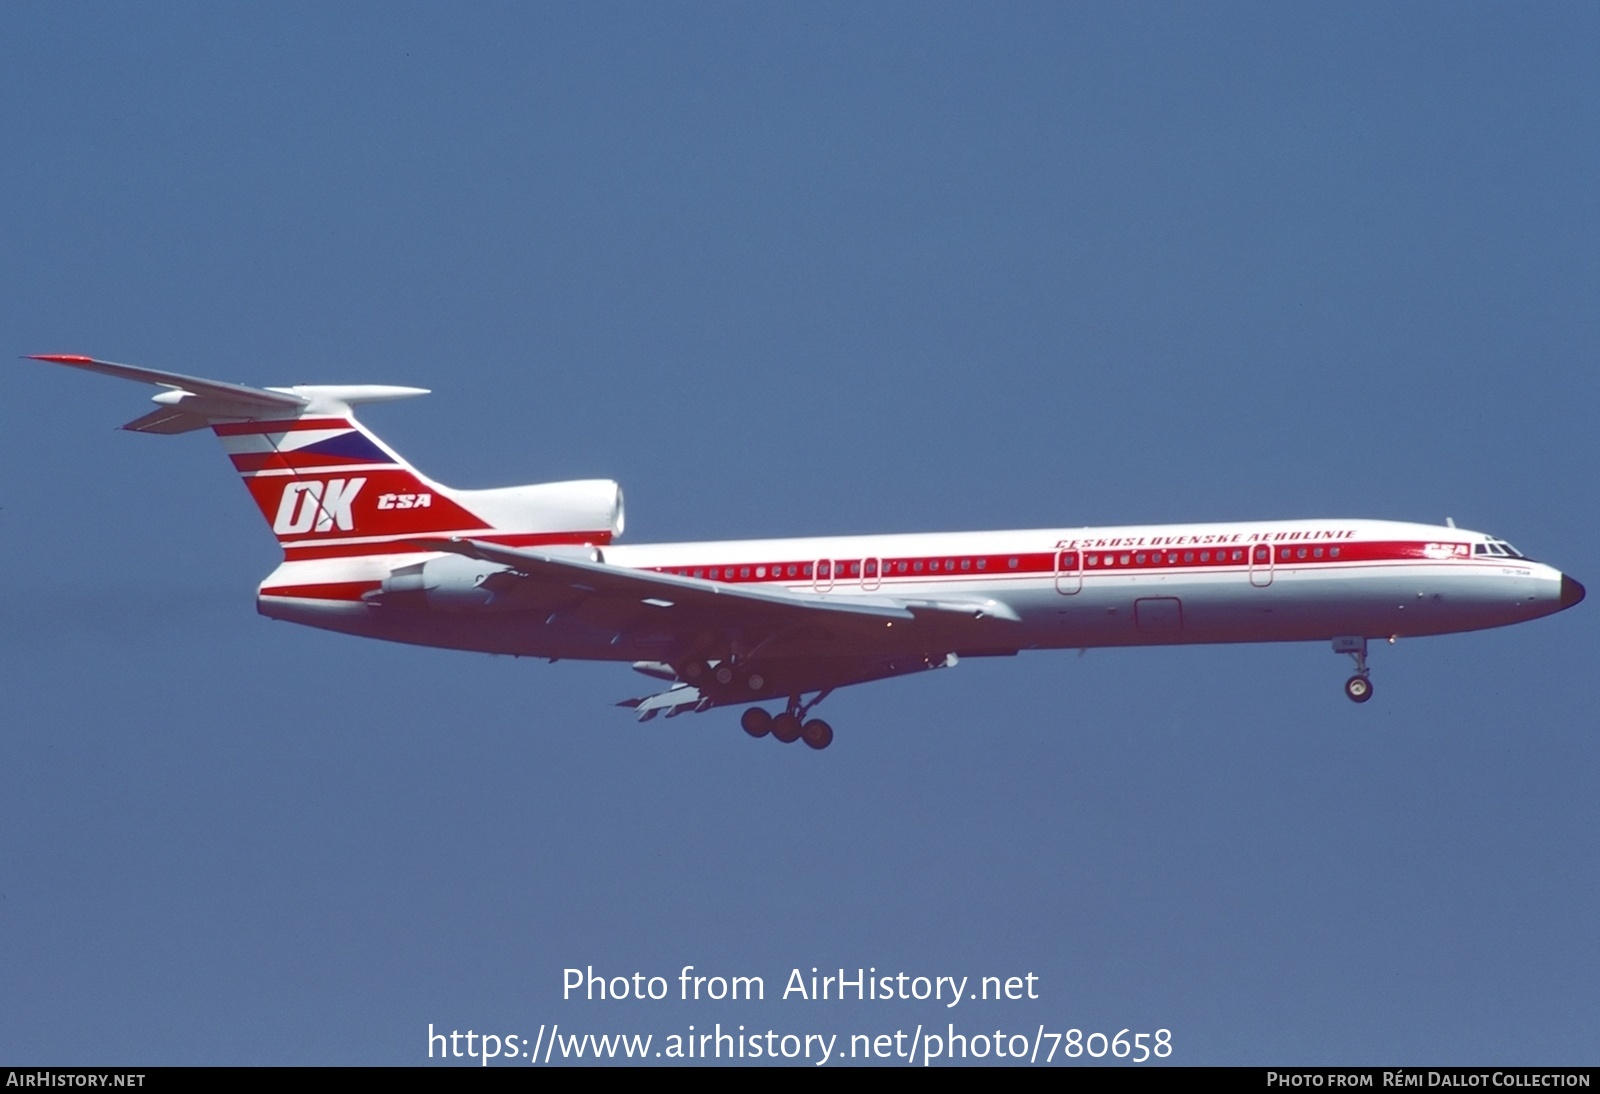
x=374 y=548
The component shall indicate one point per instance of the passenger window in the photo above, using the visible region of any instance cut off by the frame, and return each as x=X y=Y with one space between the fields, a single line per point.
x=983 y=564
x=1013 y=564
x=1300 y=553
x=1333 y=552
x=916 y=567
x=966 y=564
x=872 y=567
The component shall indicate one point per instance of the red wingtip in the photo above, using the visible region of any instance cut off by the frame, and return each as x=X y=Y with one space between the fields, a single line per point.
x=61 y=358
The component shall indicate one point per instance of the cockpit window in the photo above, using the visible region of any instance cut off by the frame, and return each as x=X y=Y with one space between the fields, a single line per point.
x=1498 y=548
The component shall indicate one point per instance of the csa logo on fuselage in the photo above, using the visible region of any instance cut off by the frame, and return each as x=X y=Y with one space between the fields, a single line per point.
x=317 y=506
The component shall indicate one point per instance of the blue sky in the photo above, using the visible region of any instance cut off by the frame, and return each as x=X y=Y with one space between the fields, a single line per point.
x=783 y=271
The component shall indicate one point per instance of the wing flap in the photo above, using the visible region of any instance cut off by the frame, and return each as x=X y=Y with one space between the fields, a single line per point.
x=676 y=700
x=787 y=678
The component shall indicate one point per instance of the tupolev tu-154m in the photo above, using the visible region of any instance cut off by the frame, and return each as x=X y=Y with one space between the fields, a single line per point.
x=372 y=547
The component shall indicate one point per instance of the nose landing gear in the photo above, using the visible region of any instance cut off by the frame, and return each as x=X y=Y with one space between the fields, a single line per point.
x=1359 y=686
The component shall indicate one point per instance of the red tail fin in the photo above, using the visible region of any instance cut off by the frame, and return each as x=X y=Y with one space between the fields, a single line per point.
x=329 y=488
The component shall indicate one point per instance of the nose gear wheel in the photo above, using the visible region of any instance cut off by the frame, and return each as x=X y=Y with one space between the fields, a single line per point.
x=1359 y=687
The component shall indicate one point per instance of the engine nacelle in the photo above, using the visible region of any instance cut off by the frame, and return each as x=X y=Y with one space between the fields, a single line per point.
x=450 y=583
x=583 y=505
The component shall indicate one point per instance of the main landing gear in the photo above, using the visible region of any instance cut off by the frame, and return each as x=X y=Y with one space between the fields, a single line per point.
x=1359 y=686
x=791 y=725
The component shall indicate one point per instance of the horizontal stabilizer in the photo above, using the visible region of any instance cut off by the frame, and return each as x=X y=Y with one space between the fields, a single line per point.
x=236 y=394
x=216 y=400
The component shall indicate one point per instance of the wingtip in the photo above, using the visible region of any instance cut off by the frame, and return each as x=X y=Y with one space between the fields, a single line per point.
x=60 y=358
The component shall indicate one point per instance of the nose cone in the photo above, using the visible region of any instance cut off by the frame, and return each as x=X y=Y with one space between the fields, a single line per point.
x=1571 y=591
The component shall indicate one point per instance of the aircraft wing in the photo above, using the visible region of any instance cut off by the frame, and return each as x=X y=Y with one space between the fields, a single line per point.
x=769 y=621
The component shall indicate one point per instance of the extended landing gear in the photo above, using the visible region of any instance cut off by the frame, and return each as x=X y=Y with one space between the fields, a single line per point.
x=756 y=722
x=1359 y=686
x=817 y=733
x=791 y=725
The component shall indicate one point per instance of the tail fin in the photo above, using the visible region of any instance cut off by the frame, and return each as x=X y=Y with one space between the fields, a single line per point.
x=330 y=489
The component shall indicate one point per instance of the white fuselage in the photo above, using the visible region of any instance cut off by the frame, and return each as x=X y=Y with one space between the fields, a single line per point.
x=1051 y=588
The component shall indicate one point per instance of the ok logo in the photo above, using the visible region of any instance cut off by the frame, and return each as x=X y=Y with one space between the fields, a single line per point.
x=317 y=506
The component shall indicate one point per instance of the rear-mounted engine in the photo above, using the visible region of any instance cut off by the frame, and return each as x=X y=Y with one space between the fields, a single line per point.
x=450 y=583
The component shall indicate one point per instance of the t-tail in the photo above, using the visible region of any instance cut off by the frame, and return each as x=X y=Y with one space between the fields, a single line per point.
x=332 y=492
